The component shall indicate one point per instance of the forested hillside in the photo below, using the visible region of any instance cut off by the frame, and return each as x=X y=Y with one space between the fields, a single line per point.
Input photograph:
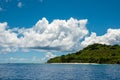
x=96 y=53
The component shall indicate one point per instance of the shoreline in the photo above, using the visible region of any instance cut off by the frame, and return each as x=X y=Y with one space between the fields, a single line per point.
x=77 y=63
x=84 y=63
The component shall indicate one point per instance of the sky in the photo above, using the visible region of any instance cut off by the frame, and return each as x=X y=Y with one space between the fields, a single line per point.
x=33 y=31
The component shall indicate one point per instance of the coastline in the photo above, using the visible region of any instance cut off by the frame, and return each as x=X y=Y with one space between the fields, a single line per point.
x=75 y=63
x=84 y=63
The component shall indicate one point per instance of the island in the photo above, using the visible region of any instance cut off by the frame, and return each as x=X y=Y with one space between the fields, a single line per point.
x=96 y=53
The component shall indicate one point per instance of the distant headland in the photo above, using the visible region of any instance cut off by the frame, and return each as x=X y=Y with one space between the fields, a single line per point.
x=96 y=53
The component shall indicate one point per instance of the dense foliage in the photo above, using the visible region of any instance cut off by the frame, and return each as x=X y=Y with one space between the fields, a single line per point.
x=96 y=53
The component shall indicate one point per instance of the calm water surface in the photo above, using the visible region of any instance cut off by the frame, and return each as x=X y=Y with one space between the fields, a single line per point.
x=59 y=72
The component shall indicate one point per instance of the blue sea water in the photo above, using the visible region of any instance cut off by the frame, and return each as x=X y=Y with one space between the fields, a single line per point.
x=59 y=72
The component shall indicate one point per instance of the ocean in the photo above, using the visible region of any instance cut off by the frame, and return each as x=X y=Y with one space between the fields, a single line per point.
x=59 y=71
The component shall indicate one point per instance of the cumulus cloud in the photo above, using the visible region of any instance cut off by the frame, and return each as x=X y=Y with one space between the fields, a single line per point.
x=20 y=4
x=112 y=37
x=59 y=35
x=8 y=39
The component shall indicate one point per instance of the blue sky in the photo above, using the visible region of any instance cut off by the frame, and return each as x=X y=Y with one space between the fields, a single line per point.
x=101 y=15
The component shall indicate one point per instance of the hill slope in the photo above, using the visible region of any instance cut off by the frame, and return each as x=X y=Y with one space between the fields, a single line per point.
x=96 y=53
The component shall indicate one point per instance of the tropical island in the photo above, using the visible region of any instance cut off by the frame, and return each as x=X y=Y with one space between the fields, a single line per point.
x=96 y=53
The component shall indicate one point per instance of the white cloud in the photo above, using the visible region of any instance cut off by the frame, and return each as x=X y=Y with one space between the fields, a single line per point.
x=3 y=26
x=48 y=56
x=8 y=39
x=112 y=37
x=59 y=35
x=20 y=4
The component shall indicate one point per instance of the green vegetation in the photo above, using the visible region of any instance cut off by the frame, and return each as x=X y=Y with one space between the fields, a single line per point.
x=96 y=53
